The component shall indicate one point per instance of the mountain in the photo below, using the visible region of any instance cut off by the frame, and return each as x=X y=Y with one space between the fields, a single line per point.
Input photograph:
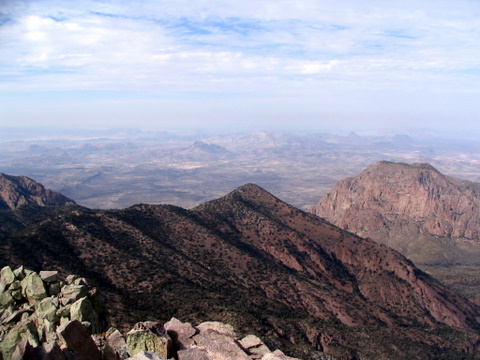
x=429 y=217
x=16 y=191
x=251 y=260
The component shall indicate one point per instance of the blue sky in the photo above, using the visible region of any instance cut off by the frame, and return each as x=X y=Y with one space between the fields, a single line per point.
x=261 y=64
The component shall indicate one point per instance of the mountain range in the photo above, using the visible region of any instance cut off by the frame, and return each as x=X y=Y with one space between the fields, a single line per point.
x=264 y=266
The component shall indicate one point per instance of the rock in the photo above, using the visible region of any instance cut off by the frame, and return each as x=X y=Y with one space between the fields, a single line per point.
x=194 y=353
x=73 y=292
x=7 y=276
x=277 y=355
x=33 y=288
x=149 y=336
x=219 y=346
x=147 y=355
x=70 y=279
x=48 y=276
x=82 y=310
x=19 y=273
x=52 y=351
x=47 y=309
x=115 y=346
x=23 y=330
x=180 y=333
x=225 y=329
x=76 y=338
x=54 y=288
x=254 y=346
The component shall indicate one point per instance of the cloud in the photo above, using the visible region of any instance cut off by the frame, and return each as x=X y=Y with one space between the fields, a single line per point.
x=246 y=49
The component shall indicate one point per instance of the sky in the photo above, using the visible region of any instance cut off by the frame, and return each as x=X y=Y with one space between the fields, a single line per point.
x=262 y=64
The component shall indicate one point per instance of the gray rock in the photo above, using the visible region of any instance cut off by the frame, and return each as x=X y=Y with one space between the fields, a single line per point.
x=115 y=346
x=33 y=288
x=82 y=310
x=48 y=276
x=23 y=330
x=149 y=336
x=73 y=292
x=19 y=273
x=7 y=276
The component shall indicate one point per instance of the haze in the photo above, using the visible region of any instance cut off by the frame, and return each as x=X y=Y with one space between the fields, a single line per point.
x=314 y=65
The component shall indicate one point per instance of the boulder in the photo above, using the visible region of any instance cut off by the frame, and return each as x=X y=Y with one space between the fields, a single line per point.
x=73 y=292
x=33 y=288
x=194 y=353
x=180 y=333
x=277 y=355
x=48 y=276
x=219 y=346
x=255 y=347
x=147 y=355
x=77 y=342
x=24 y=330
x=149 y=336
x=7 y=276
x=225 y=329
x=82 y=310
x=115 y=347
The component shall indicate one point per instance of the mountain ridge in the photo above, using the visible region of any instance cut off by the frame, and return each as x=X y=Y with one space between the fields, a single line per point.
x=251 y=260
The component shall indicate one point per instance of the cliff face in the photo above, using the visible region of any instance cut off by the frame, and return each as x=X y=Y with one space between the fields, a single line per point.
x=429 y=217
x=16 y=191
x=254 y=261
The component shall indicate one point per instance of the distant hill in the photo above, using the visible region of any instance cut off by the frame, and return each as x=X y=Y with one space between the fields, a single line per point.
x=262 y=265
x=16 y=191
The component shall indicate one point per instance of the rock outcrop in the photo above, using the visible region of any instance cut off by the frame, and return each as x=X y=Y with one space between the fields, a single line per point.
x=16 y=191
x=429 y=217
x=42 y=326
x=40 y=313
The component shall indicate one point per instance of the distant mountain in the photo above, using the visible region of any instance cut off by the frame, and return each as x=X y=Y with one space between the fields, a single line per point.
x=16 y=191
x=262 y=265
x=429 y=217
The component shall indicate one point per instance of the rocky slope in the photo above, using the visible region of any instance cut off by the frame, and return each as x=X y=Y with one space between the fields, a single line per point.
x=268 y=268
x=43 y=317
x=16 y=191
x=429 y=217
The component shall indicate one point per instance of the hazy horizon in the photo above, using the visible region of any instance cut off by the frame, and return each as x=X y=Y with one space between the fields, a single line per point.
x=223 y=65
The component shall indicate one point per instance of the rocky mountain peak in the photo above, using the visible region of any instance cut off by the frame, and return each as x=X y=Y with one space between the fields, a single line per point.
x=16 y=191
x=409 y=207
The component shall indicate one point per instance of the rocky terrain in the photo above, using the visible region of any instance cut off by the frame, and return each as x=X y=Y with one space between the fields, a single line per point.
x=431 y=218
x=16 y=191
x=267 y=268
x=45 y=318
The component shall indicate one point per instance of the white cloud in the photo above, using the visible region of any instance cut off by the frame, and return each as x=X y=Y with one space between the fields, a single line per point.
x=273 y=48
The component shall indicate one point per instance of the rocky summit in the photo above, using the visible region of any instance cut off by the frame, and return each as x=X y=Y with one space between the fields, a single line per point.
x=430 y=217
x=248 y=259
x=45 y=318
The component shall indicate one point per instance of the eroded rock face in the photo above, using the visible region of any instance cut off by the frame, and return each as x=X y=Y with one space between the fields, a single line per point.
x=16 y=191
x=429 y=217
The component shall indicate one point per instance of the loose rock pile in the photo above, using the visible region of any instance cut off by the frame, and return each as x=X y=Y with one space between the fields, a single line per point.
x=43 y=317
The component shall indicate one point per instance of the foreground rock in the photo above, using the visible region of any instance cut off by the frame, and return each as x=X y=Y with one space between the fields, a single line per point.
x=44 y=318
